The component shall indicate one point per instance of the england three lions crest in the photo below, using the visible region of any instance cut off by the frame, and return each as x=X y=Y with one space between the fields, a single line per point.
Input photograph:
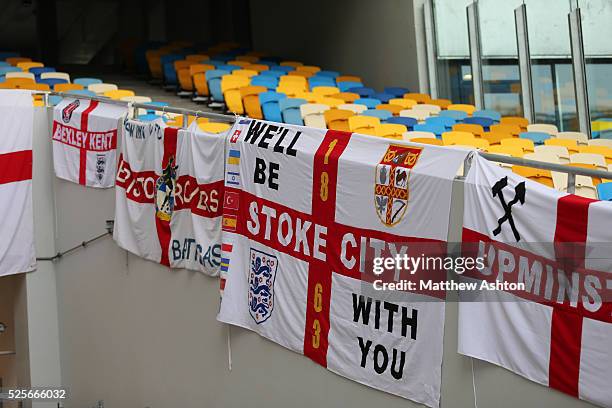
x=262 y=273
x=391 y=183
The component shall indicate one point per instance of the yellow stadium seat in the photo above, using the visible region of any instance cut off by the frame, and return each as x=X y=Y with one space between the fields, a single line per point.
x=293 y=64
x=295 y=80
x=308 y=68
x=515 y=120
x=348 y=78
x=390 y=130
x=309 y=97
x=513 y=130
x=404 y=103
x=198 y=77
x=325 y=90
x=292 y=90
x=357 y=108
x=476 y=130
x=513 y=151
x=250 y=100
x=394 y=109
x=417 y=134
x=331 y=102
x=25 y=66
x=196 y=58
x=337 y=119
x=230 y=86
x=38 y=104
x=598 y=126
x=214 y=127
x=238 y=63
x=258 y=67
x=38 y=87
x=179 y=64
x=495 y=137
x=469 y=109
x=302 y=74
x=585 y=180
x=442 y=103
x=67 y=87
x=18 y=83
x=605 y=151
x=427 y=140
x=153 y=58
x=248 y=58
x=570 y=144
x=538 y=175
x=418 y=97
x=118 y=93
x=184 y=79
x=456 y=137
x=245 y=72
x=543 y=127
x=16 y=60
x=525 y=144
x=347 y=97
x=363 y=124
x=579 y=137
x=477 y=143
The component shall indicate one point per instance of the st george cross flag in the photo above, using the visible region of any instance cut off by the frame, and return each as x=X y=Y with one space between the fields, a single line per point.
x=16 y=224
x=169 y=194
x=558 y=330
x=304 y=211
x=85 y=141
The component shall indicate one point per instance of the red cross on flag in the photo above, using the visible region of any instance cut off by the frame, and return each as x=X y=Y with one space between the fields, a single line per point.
x=310 y=210
x=557 y=331
x=16 y=221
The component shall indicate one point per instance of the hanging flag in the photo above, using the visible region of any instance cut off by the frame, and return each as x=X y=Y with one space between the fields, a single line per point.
x=169 y=193
x=85 y=141
x=305 y=212
x=16 y=224
x=556 y=330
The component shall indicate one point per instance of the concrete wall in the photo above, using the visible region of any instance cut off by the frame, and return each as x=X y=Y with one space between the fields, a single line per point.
x=373 y=39
x=135 y=334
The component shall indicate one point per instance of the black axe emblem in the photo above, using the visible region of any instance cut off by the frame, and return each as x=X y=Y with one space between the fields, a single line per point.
x=519 y=196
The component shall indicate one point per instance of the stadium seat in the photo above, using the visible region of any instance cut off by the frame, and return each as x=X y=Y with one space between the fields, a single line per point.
x=381 y=114
x=469 y=109
x=414 y=134
x=20 y=74
x=87 y=81
x=538 y=175
x=369 y=102
x=415 y=114
x=526 y=145
x=330 y=74
x=55 y=75
x=513 y=151
x=293 y=64
x=590 y=158
x=26 y=66
x=16 y=60
x=600 y=142
x=487 y=113
x=357 y=88
x=560 y=152
x=240 y=64
x=65 y=87
x=213 y=78
x=318 y=81
x=495 y=137
x=198 y=77
x=100 y=88
x=475 y=143
x=290 y=110
x=313 y=115
x=348 y=78
x=197 y=58
x=363 y=124
x=331 y=102
x=538 y=138
x=269 y=105
x=458 y=115
x=579 y=137
x=5 y=70
x=303 y=74
x=394 y=109
x=472 y=128
x=442 y=103
x=268 y=81
x=249 y=73
x=353 y=107
x=390 y=130
x=456 y=138
x=52 y=81
x=484 y=122
x=543 y=127
x=259 y=68
x=213 y=127
x=347 y=97
x=570 y=144
x=383 y=97
x=448 y=123
x=515 y=120
x=397 y=92
x=230 y=87
x=426 y=140
x=118 y=93
x=418 y=97
x=435 y=129
x=404 y=103
x=250 y=100
x=337 y=119
x=514 y=130
x=308 y=68
x=325 y=90
x=604 y=191
x=273 y=73
x=408 y=122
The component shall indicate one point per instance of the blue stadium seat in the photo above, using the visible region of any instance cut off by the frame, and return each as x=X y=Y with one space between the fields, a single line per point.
x=384 y=97
x=346 y=85
x=268 y=81
x=321 y=81
x=362 y=91
x=381 y=114
x=84 y=92
x=487 y=113
x=87 y=81
x=149 y=117
x=228 y=68
x=38 y=71
x=273 y=73
x=441 y=121
x=4 y=70
x=284 y=68
x=455 y=114
x=269 y=105
x=484 y=122
x=371 y=103
x=426 y=127
x=290 y=110
x=604 y=191
x=215 y=63
x=52 y=81
x=331 y=74
x=396 y=91
x=4 y=64
x=213 y=77
x=408 y=122
x=168 y=70
x=538 y=138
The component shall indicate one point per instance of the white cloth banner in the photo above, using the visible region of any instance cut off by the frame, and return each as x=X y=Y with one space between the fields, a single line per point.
x=558 y=330
x=16 y=224
x=85 y=141
x=169 y=193
x=304 y=211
